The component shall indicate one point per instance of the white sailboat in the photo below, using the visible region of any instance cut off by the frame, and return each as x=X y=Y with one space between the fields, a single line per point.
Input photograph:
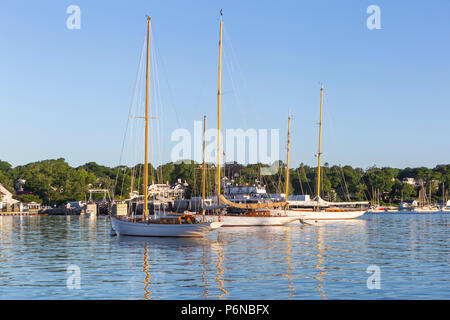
x=161 y=228
x=182 y=226
x=254 y=214
x=317 y=213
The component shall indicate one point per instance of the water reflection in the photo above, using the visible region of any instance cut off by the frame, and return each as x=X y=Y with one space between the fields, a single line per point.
x=168 y=243
x=147 y=274
x=204 y=279
x=218 y=247
x=288 y=275
x=319 y=267
x=191 y=255
x=325 y=262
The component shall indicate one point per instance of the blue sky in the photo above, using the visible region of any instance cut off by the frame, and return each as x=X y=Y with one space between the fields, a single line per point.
x=66 y=93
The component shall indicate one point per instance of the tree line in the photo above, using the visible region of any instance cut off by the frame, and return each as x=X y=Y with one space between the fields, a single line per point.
x=55 y=182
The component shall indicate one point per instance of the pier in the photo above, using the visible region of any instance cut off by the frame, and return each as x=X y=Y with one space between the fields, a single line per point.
x=18 y=213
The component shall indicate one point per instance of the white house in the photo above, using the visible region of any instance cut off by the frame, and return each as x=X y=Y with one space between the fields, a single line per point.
x=6 y=197
x=410 y=181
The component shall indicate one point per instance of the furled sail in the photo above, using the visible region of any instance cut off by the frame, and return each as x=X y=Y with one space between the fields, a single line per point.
x=265 y=205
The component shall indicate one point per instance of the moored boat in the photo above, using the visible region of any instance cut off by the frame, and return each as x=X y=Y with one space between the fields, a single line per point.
x=249 y=214
x=163 y=227
x=329 y=214
x=317 y=213
x=182 y=226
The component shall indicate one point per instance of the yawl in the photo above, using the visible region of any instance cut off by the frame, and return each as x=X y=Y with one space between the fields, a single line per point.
x=182 y=226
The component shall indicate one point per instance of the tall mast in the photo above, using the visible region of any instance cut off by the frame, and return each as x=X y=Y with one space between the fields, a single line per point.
x=287 y=160
x=204 y=166
x=146 y=123
x=320 y=145
x=219 y=93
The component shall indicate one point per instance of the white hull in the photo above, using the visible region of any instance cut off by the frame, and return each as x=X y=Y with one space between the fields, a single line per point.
x=194 y=230
x=418 y=210
x=326 y=215
x=247 y=221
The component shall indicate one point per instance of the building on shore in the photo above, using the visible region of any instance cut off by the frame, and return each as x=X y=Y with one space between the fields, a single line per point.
x=410 y=181
x=6 y=199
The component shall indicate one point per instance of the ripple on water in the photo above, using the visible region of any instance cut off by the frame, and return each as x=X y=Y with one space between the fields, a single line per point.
x=328 y=261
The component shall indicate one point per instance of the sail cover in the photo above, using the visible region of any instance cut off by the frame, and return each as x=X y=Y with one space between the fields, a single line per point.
x=265 y=205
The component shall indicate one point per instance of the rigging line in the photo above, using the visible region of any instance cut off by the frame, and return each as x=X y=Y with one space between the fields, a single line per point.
x=329 y=116
x=341 y=185
x=166 y=78
x=299 y=180
x=152 y=108
x=138 y=139
x=159 y=112
x=137 y=97
x=240 y=72
x=129 y=114
x=345 y=184
x=308 y=184
x=235 y=90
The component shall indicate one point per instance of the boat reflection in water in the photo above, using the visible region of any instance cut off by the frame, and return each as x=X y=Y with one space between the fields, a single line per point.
x=181 y=247
x=325 y=229
x=204 y=278
x=217 y=246
x=147 y=274
x=288 y=275
x=319 y=267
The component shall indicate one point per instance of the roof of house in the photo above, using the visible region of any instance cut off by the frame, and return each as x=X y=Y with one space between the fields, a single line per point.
x=4 y=191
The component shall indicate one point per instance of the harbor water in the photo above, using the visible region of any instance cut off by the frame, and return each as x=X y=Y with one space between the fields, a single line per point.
x=378 y=256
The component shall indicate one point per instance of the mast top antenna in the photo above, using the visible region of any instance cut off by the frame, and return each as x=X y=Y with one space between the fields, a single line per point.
x=221 y=12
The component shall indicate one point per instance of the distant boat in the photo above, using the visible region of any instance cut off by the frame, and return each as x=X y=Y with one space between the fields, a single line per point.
x=330 y=213
x=182 y=226
x=420 y=206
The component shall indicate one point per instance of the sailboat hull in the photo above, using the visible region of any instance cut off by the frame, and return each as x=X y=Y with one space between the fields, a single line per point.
x=326 y=215
x=248 y=221
x=195 y=230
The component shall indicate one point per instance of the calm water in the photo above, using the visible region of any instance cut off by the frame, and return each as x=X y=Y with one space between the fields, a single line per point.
x=296 y=262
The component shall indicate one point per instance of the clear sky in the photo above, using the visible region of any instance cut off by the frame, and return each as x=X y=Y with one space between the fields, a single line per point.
x=66 y=93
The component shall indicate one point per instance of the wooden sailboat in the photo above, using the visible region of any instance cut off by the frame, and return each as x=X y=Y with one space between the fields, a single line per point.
x=332 y=213
x=180 y=226
x=255 y=214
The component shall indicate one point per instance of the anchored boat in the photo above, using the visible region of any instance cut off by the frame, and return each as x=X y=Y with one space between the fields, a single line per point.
x=253 y=214
x=317 y=213
x=164 y=227
x=158 y=226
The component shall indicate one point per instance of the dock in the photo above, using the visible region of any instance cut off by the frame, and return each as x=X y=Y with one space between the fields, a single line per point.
x=18 y=213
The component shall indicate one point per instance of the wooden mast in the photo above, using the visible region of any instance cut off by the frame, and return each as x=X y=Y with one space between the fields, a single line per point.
x=320 y=146
x=204 y=167
x=146 y=124
x=287 y=160
x=219 y=93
